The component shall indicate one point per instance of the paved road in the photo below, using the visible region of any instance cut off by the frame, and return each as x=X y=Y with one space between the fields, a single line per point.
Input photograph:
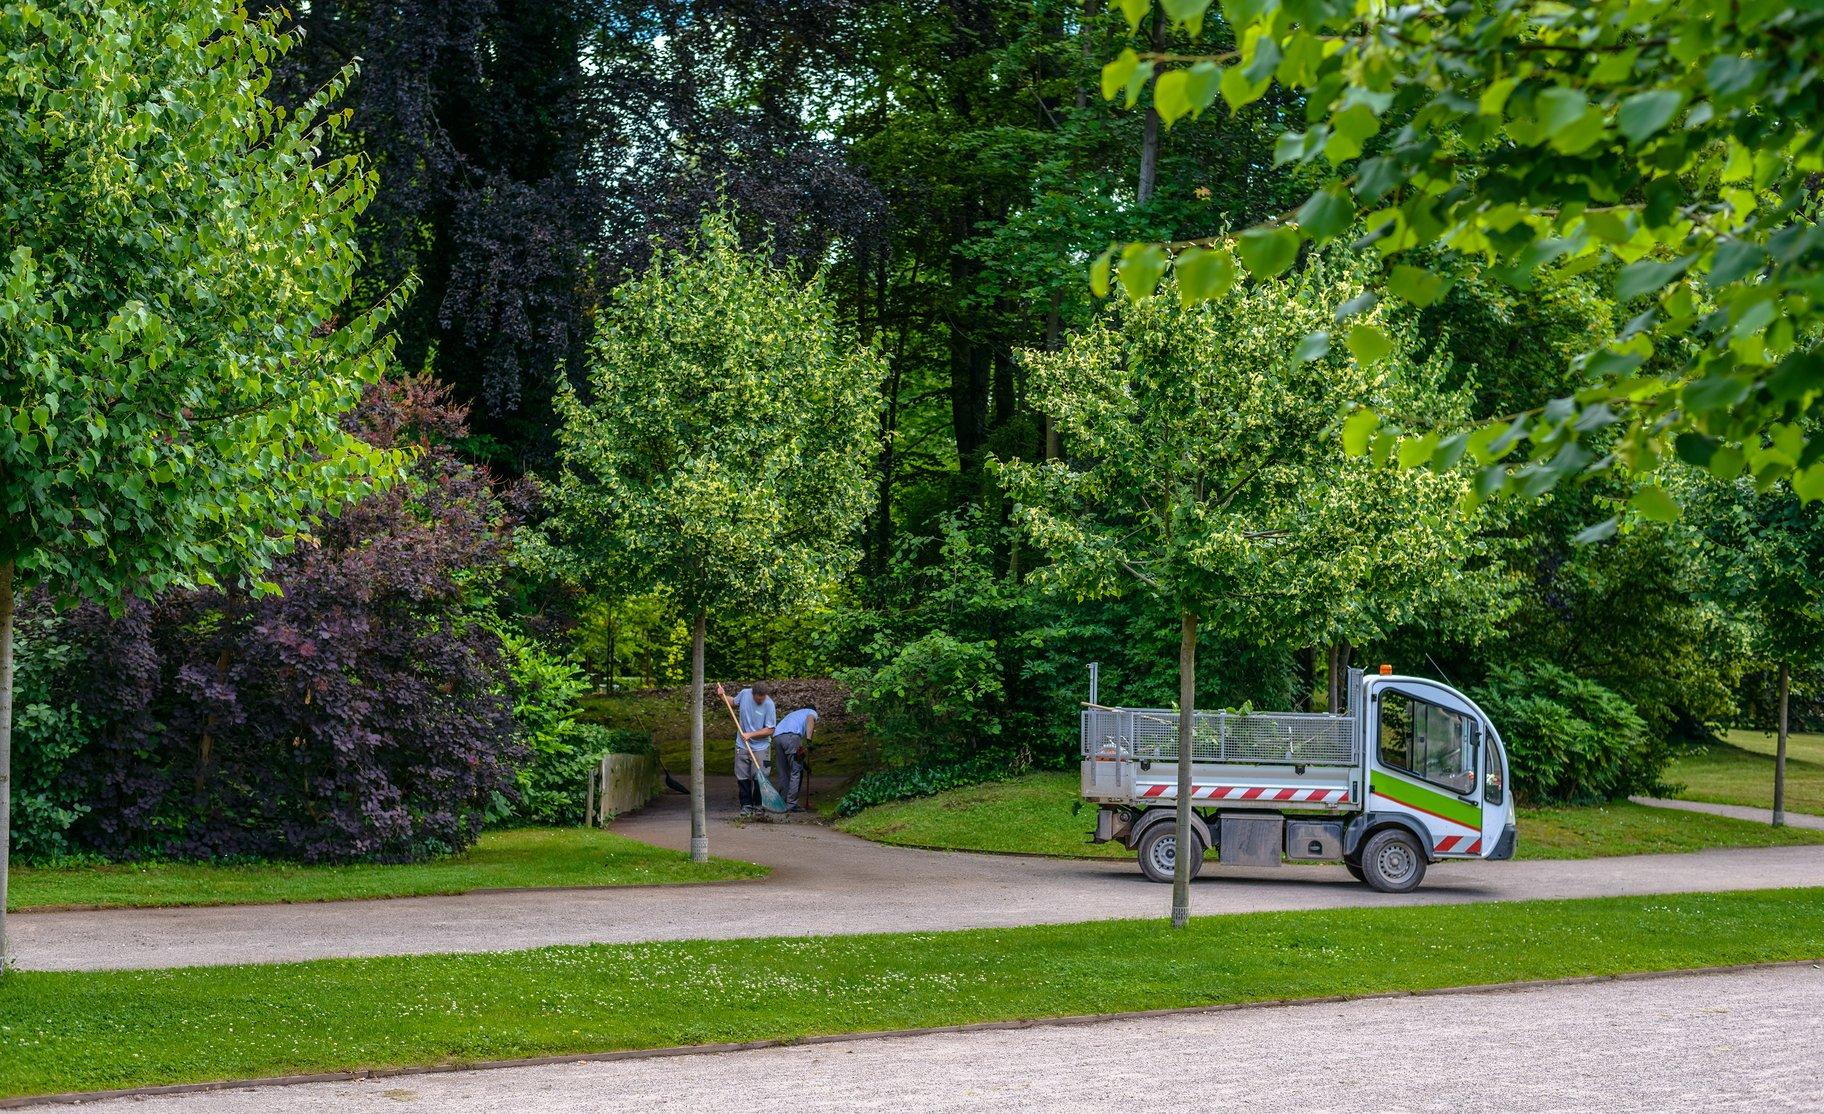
x=1746 y=1041
x=1734 y=812
x=824 y=882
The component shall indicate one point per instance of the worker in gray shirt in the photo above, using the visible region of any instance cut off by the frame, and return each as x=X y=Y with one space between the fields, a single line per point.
x=756 y=715
x=794 y=738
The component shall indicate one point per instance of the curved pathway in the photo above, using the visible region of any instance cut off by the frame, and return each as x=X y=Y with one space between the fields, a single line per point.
x=823 y=882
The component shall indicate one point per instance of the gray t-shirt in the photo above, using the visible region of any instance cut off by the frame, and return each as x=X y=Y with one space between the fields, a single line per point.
x=755 y=716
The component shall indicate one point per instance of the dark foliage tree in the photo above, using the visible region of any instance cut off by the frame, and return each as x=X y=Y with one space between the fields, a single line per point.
x=531 y=153
x=481 y=117
x=363 y=714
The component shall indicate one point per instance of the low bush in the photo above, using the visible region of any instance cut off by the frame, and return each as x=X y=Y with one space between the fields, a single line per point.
x=553 y=781
x=938 y=697
x=48 y=730
x=1569 y=740
x=924 y=779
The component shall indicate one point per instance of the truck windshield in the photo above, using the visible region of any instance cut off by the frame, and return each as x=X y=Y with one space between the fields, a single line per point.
x=1433 y=742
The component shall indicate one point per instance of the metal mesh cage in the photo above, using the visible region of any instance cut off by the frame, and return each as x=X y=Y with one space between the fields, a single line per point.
x=1286 y=738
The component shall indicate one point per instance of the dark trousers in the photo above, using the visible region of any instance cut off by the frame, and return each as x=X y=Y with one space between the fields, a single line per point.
x=791 y=765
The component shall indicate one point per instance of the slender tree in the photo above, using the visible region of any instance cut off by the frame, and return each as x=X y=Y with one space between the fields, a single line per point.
x=1768 y=567
x=722 y=452
x=1199 y=469
x=175 y=351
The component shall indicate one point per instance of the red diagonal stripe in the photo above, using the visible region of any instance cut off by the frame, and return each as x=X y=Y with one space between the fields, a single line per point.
x=1418 y=808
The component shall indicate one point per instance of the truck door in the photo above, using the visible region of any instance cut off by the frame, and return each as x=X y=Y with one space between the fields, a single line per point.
x=1425 y=762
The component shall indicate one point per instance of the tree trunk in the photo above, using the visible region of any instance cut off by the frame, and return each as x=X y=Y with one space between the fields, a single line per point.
x=6 y=743
x=1779 y=751
x=1149 y=131
x=699 y=820
x=613 y=628
x=1087 y=51
x=1054 y=340
x=1187 y=709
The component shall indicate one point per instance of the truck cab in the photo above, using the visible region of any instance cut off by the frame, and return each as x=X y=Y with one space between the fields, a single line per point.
x=1410 y=772
x=1434 y=766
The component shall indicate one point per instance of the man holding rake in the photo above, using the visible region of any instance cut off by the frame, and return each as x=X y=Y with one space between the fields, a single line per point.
x=755 y=718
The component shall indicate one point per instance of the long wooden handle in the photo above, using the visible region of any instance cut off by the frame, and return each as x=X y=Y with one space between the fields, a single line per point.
x=739 y=734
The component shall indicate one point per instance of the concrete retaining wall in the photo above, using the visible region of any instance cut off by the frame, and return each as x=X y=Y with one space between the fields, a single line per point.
x=620 y=784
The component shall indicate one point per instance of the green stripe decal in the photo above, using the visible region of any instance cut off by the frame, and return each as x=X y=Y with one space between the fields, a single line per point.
x=1419 y=797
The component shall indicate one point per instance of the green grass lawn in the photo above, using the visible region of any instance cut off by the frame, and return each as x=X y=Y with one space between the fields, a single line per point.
x=1740 y=772
x=503 y=859
x=65 y=1031
x=840 y=750
x=1033 y=815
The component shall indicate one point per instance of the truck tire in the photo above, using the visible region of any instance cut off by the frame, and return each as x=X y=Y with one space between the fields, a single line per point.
x=1355 y=870
x=1158 y=849
x=1392 y=861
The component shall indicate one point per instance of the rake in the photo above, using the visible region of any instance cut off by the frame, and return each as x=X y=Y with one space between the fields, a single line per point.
x=769 y=797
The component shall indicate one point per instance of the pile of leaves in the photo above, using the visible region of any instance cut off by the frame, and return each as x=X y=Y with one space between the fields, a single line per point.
x=831 y=697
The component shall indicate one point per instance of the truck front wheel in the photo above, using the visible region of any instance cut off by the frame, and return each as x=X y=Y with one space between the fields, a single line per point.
x=1158 y=851
x=1393 y=862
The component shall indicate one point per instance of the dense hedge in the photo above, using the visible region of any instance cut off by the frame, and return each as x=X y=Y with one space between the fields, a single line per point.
x=1569 y=740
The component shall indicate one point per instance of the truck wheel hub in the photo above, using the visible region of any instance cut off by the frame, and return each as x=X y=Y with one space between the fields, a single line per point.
x=1395 y=861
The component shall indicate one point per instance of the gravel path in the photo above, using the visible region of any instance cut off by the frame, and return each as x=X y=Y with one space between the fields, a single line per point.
x=1742 y=1041
x=824 y=882
x=1735 y=812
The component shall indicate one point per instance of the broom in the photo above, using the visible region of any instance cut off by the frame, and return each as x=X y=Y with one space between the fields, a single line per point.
x=769 y=796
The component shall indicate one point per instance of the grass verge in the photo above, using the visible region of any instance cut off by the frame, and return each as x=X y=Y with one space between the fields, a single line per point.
x=68 y=1031
x=1740 y=772
x=1032 y=815
x=501 y=860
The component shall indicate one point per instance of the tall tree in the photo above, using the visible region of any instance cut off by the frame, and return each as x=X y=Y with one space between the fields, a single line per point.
x=722 y=451
x=176 y=350
x=1198 y=470
x=485 y=119
x=976 y=123
x=1768 y=565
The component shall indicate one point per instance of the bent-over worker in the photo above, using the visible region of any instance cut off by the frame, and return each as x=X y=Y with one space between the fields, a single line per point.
x=794 y=738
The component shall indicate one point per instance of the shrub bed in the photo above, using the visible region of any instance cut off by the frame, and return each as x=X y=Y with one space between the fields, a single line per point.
x=1569 y=740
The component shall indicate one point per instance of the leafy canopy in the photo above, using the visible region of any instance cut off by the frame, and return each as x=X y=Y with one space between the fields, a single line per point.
x=173 y=365
x=723 y=447
x=1204 y=466
x=1675 y=145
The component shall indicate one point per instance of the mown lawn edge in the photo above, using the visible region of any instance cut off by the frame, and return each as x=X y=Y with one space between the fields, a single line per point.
x=94 y=1031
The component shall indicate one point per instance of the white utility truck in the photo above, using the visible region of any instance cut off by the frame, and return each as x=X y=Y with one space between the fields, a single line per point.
x=1410 y=772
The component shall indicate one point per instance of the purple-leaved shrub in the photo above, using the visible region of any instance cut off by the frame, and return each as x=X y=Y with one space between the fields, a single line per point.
x=363 y=713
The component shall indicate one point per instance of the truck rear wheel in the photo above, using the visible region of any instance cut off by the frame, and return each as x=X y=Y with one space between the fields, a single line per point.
x=1393 y=862
x=1158 y=851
